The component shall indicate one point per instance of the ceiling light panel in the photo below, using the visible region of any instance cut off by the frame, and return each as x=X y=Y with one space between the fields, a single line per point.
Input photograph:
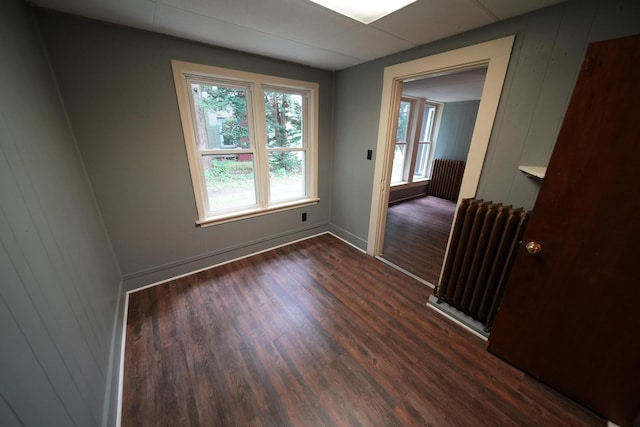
x=365 y=11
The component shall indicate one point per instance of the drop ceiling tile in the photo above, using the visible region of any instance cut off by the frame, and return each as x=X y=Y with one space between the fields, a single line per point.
x=133 y=13
x=352 y=39
x=299 y=30
x=300 y=21
x=429 y=20
x=504 y=9
x=263 y=15
x=212 y=31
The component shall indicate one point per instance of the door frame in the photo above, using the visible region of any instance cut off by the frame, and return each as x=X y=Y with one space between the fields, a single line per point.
x=494 y=55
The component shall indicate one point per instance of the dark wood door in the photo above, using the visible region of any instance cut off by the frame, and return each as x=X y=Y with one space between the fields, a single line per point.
x=570 y=314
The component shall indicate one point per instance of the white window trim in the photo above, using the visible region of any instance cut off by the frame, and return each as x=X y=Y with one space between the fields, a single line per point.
x=431 y=140
x=255 y=84
x=413 y=141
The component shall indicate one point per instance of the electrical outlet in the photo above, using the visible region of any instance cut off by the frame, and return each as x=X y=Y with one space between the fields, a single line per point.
x=304 y=216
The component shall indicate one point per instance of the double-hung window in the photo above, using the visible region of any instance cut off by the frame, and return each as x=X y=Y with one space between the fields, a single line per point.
x=403 y=136
x=251 y=141
x=413 y=152
x=424 y=149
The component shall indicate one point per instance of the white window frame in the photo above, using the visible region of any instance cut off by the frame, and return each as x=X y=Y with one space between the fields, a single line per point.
x=429 y=141
x=255 y=85
x=407 y=143
x=413 y=140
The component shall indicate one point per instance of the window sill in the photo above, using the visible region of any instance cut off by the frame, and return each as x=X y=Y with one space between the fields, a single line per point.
x=252 y=213
x=402 y=185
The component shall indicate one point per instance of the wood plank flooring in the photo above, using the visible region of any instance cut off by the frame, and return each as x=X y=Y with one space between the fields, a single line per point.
x=416 y=235
x=317 y=334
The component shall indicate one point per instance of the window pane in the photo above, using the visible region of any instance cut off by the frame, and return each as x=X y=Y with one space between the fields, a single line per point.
x=221 y=116
x=284 y=119
x=427 y=123
x=403 y=121
x=286 y=175
x=229 y=181
x=233 y=154
x=421 y=160
x=398 y=163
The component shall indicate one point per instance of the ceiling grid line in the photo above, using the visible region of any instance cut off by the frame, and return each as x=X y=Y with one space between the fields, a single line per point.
x=299 y=30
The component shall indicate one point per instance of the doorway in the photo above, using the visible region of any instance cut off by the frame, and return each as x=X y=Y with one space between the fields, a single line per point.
x=436 y=121
x=495 y=56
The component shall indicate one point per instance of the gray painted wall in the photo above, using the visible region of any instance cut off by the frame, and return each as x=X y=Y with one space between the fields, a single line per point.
x=118 y=88
x=545 y=61
x=456 y=129
x=453 y=141
x=59 y=282
x=59 y=287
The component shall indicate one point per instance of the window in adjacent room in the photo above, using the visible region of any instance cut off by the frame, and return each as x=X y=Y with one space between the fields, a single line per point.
x=413 y=152
x=402 y=142
x=251 y=141
x=424 y=149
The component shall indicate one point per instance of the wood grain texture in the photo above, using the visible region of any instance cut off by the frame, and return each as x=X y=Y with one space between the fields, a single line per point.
x=416 y=235
x=570 y=314
x=317 y=334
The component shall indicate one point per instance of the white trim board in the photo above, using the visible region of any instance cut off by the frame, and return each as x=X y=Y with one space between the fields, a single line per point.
x=495 y=56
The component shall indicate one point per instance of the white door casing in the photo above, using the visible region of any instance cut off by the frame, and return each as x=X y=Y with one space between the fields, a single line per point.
x=492 y=54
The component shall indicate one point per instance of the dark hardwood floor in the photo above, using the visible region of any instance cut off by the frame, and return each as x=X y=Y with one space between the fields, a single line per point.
x=317 y=334
x=416 y=235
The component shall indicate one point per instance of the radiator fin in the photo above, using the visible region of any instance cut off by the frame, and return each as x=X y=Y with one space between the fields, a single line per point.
x=483 y=244
x=446 y=178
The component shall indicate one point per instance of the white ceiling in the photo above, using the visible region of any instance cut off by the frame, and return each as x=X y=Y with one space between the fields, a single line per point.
x=300 y=30
x=452 y=87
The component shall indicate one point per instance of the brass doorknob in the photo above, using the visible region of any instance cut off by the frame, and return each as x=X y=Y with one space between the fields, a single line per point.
x=533 y=247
